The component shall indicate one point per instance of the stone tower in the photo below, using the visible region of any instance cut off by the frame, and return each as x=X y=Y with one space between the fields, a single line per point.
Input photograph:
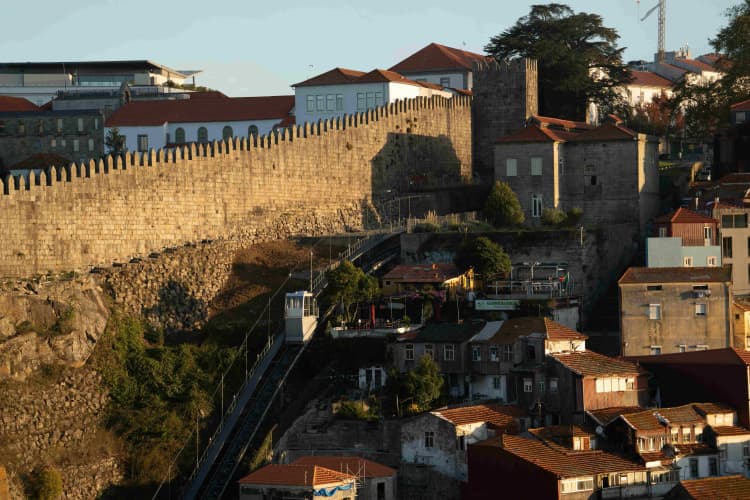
x=505 y=95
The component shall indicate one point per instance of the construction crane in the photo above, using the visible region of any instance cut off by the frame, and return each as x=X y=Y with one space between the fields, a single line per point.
x=662 y=6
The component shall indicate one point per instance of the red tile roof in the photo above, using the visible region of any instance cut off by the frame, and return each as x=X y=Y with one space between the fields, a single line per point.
x=605 y=415
x=562 y=464
x=607 y=132
x=382 y=75
x=638 y=275
x=296 y=475
x=712 y=408
x=8 y=103
x=649 y=79
x=422 y=273
x=534 y=133
x=698 y=65
x=216 y=108
x=336 y=76
x=730 y=430
x=495 y=414
x=685 y=216
x=652 y=419
x=592 y=364
x=559 y=122
x=515 y=327
x=714 y=488
x=741 y=106
x=436 y=57
x=357 y=466
x=723 y=356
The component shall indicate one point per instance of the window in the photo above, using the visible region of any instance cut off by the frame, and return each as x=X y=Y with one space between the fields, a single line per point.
x=511 y=167
x=726 y=246
x=381 y=491
x=59 y=125
x=409 y=352
x=339 y=102
x=700 y=309
x=429 y=350
x=682 y=348
x=713 y=466
x=370 y=100
x=541 y=386
x=179 y=135
x=711 y=261
x=685 y=434
x=460 y=442
x=740 y=117
x=429 y=439
x=654 y=311
x=80 y=125
x=662 y=232
x=707 y=233
x=449 y=352
x=361 y=101
x=91 y=144
x=53 y=143
x=745 y=450
x=96 y=123
x=553 y=385
x=445 y=81
x=379 y=99
x=701 y=347
x=536 y=165
x=653 y=288
x=310 y=103
x=528 y=385
x=21 y=128
x=734 y=220
x=496 y=382
x=592 y=180
x=723 y=451
x=321 y=103
x=252 y=131
x=655 y=350
x=202 y=135
x=573 y=485
x=331 y=102
x=530 y=352
x=508 y=352
x=536 y=205
x=40 y=131
x=142 y=142
x=687 y=262
x=476 y=353
x=227 y=132
x=77 y=144
x=694 y=467
x=494 y=355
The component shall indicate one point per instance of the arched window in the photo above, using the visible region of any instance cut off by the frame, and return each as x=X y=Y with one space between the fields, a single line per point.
x=252 y=131
x=227 y=132
x=179 y=135
x=203 y=135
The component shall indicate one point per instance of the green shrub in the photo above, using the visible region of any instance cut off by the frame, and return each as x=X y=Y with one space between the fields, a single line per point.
x=426 y=227
x=553 y=216
x=48 y=484
x=356 y=410
x=502 y=207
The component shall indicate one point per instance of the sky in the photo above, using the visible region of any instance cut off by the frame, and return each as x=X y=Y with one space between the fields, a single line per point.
x=250 y=48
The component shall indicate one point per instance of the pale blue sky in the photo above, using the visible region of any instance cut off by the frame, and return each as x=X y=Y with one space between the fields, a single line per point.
x=261 y=48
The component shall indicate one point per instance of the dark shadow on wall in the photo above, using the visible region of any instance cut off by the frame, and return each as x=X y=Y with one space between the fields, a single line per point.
x=177 y=309
x=410 y=161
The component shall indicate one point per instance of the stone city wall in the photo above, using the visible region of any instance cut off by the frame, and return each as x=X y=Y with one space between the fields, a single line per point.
x=79 y=216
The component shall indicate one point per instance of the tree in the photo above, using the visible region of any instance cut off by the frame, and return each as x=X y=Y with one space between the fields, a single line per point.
x=115 y=141
x=578 y=60
x=485 y=256
x=502 y=206
x=424 y=383
x=348 y=285
x=732 y=42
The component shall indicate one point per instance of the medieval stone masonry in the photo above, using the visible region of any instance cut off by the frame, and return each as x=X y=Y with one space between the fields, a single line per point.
x=78 y=216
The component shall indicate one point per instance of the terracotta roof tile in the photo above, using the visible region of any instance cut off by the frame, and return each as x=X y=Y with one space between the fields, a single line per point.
x=515 y=327
x=715 y=488
x=723 y=356
x=649 y=79
x=534 y=133
x=382 y=75
x=741 y=106
x=592 y=364
x=357 y=466
x=335 y=76
x=562 y=464
x=651 y=420
x=495 y=414
x=636 y=275
x=607 y=132
x=604 y=416
x=436 y=57
x=713 y=408
x=698 y=65
x=685 y=216
x=730 y=430
x=217 y=108
x=742 y=306
x=296 y=475
x=12 y=104
x=422 y=273
x=559 y=122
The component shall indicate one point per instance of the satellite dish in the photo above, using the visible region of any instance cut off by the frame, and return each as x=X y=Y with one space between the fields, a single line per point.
x=600 y=430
